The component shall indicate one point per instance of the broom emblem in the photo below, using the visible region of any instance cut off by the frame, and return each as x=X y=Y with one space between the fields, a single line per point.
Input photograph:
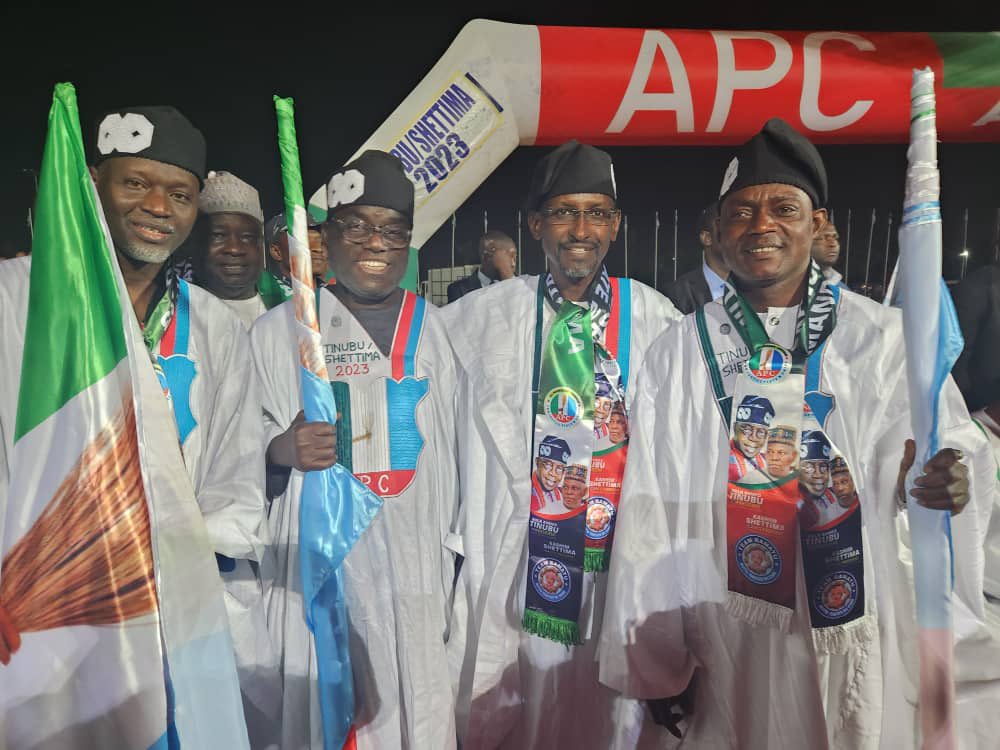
x=87 y=560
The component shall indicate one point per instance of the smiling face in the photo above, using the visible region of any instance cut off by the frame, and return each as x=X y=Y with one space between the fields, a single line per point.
x=150 y=206
x=368 y=269
x=602 y=410
x=750 y=438
x=836 y=596
x=813 y=476
x=766 y=233
x=231 y=256
x=550 y=473
x=575 y=250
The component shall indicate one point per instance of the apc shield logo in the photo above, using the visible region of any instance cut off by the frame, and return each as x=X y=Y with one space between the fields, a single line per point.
x=563 y=406
x=769 y=364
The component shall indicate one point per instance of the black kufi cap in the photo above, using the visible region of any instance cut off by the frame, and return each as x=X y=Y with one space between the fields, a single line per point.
x=573 y=167
x=159 y=133
x=778 y=154
x=373 y=179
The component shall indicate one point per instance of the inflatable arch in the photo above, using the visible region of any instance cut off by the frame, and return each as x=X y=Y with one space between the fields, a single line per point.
x=502 y=85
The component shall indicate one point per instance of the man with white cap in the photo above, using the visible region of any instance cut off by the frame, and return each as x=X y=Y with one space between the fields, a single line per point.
x=536 y=354
x=229 y=254
x=393 y=375
x=719 y=591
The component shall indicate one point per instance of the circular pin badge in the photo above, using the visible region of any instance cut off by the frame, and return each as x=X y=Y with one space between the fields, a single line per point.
x=563 y=406
x=836 y=595
x=769 y=364
x=600 y=518
x=725 y=328
x=551 y=580
x=758 y=559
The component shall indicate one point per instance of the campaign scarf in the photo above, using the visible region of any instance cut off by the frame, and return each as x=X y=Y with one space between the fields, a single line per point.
x=166 y=335
x=570 y=535
x=774 y=511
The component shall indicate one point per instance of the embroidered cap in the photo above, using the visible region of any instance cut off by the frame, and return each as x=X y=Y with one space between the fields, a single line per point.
x=839 y=466
x=603 y=386
x=782 y=434
x=554 y=449
x=576 y=471
x=159 y=133
x=375 y=178
x=814 y=446
x=225 y=193
x=573 y=167
x=778 y=153
x=755 y=410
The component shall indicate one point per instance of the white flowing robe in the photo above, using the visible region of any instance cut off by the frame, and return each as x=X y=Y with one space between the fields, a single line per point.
x=398 y=576
x=666 y=611
x=517 y=690
x=222 y=454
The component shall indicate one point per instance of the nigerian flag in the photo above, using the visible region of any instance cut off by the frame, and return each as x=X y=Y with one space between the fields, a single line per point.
x=112 y=626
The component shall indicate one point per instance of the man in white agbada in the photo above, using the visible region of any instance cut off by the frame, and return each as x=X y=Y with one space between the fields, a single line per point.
x=228 y=256
x=721 y=587
x=149 y=188
x=393 y=376
x=521 y=682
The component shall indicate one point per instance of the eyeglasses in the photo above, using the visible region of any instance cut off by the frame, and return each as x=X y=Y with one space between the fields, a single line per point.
x=554 y=466
x=750 y=431
x=599 y=217
x=359 y=231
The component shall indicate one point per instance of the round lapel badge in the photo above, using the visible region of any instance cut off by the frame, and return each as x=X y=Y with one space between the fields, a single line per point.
x=769 y=364
x=563 y=406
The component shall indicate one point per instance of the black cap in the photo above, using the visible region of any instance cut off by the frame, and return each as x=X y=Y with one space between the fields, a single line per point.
x=573 y=167
x=373 y=179
x=778 y=154
x=278 y=224
x=159 y=133
x=554 y=448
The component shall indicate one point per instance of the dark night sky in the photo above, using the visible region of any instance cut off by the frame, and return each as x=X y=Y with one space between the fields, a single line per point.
x=349 y=70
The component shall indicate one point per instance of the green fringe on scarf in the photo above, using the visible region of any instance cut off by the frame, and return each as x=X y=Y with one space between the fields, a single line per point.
x=554 y=628
x=595 y=560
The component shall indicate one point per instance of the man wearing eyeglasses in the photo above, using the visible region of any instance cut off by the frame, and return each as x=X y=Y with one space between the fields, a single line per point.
x=393 y=376
x=753 y=419
x=537 y=355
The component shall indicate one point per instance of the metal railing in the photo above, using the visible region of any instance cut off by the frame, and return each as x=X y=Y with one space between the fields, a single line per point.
x=657 y=250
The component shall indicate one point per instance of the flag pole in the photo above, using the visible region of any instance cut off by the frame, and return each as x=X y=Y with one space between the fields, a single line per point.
x=656 y=250
x=334 y=508
x=933 y=343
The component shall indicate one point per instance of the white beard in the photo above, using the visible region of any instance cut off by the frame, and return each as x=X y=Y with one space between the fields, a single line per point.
x=147 y=255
